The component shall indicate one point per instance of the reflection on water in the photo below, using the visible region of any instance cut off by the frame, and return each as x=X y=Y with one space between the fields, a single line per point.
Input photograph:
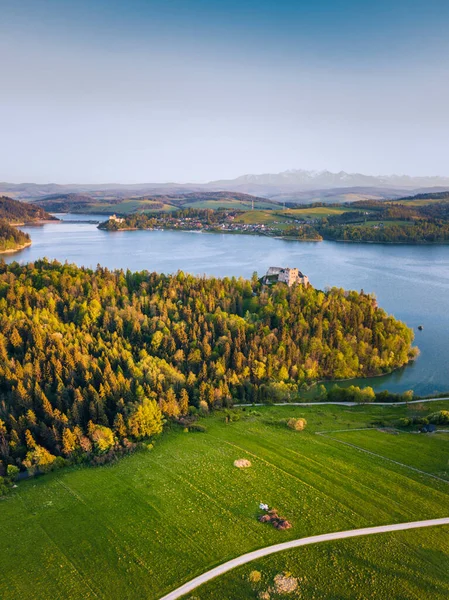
x=412 y=282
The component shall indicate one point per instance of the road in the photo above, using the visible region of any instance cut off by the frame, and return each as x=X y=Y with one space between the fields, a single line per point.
x=315 y=539
x=346 y=403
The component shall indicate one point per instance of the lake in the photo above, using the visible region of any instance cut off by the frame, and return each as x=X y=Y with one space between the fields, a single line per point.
x=409 y=281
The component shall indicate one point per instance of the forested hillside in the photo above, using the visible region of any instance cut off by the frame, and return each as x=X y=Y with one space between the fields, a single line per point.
x=90 y=360
x=14 y=211
x=427 y=232
x=11 y=237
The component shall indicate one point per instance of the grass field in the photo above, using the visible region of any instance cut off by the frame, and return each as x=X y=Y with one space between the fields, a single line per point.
x=279 y=217
x=420 y=202
x=387 y=223
x=397 y=566
x=231 y=204
x=131 y=205
x=145 y=525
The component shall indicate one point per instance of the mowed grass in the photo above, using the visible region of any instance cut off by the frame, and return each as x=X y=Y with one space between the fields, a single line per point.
x=145 y=525
x=269 y=217
x=429 y=453
x=228 y=203
x=399 y=566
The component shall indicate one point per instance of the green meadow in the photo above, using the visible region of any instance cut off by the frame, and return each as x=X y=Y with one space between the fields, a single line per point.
x=146 y=524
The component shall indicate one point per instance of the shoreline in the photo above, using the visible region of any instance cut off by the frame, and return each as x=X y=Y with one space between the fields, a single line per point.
x=32 y=223
x=408 y=243
x=18 y=249
x=281 y=237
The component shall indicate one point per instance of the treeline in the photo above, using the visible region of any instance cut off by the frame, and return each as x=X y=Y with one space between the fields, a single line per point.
x=422 y=231
x=301 y=232
x=355 y=393
x=11 y=238
x=13 y=211
x=149 y=220
x=90 y=361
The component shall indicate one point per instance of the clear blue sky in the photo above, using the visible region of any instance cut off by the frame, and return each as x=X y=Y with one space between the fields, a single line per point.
x=194 y=90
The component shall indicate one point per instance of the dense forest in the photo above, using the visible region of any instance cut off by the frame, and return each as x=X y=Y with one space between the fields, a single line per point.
x=13 y=211
x=91 y=361
x=12 y=238
x=423 y=231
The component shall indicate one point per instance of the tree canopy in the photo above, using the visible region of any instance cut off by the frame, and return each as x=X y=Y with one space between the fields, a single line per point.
x=93 y=360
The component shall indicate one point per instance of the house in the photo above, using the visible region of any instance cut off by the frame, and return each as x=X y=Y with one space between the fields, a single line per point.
x=284 y=275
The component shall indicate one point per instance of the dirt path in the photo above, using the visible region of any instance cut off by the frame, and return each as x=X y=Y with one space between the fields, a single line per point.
x=346 y=403
x=315 y=539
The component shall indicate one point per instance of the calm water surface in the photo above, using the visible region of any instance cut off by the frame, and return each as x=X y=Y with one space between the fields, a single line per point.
x=411 y=282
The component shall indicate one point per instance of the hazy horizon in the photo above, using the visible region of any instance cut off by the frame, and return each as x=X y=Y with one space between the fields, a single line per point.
x=203 y=182
x=191 y=92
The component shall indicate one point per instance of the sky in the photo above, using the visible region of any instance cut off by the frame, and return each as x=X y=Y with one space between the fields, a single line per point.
x=95 y=91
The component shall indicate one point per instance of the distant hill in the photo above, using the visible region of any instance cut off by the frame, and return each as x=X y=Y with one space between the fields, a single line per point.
x=271 y=184
x=283 y=187
x=437 y=196
x=13 y=211
x=82 y=203
x=339 y=195
x=61 y=203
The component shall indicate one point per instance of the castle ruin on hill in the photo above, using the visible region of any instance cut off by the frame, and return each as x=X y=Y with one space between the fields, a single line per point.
x=284 y=275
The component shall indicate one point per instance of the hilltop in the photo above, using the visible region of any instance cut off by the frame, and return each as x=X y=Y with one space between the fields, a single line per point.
x=84 y=203
x=15 y=212
x=295 y=185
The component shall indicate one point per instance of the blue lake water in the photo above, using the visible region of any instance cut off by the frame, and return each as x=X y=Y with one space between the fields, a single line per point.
x=410 y=281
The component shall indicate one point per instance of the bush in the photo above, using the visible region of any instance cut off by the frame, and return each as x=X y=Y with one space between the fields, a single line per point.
x=204 y=408
x=197 y=428
x=404 y=422
x=440 y=418
x=297 y=424
x=3 y=488
x=351 y=394
x=231 y=416
x=12 y=471
x=255 y=576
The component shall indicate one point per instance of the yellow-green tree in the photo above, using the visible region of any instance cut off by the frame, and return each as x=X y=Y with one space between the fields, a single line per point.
x=101 y=436
x=146 y=420
x=68 y=442
x=39 y=458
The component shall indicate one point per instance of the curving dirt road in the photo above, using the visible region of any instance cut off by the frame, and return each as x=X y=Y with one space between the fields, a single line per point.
x=345 y=403
x=315 y=539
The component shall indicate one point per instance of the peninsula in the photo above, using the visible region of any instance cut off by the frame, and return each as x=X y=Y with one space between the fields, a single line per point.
x=12 y=214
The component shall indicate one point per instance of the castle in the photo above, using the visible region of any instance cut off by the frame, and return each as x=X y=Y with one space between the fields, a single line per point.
x=284 y=275
x=116 y=219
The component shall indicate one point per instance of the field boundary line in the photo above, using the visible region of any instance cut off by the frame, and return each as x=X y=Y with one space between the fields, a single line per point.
x=315 y=539
x=344 y=475
x=396 y=462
